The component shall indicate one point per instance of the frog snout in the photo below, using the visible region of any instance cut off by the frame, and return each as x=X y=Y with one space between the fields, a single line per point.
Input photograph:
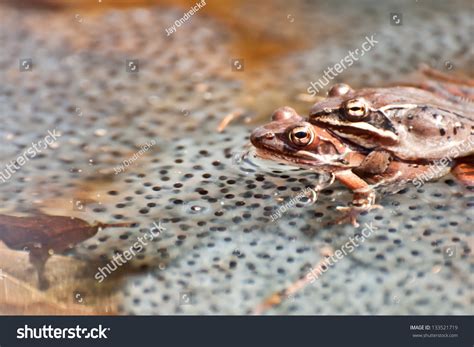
x=260 y=136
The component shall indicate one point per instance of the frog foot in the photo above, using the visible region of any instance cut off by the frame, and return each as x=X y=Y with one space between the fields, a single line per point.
x=352 y=212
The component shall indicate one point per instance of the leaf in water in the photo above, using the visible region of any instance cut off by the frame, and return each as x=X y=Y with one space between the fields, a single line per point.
x=43 y=235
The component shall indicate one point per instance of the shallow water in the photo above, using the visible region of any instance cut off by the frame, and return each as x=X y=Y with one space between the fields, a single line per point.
x=220 y=251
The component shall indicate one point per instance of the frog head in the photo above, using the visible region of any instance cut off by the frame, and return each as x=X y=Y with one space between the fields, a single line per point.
x=290 y=139
x=355 y=115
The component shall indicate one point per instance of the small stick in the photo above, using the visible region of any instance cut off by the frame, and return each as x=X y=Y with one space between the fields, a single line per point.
x=228 y=119
x=277 y=298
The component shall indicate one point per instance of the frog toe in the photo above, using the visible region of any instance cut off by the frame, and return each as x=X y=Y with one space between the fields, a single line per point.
x=348 y=215
x=352 y=212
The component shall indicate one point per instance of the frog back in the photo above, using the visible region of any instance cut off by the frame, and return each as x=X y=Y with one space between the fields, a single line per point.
x=431 y=131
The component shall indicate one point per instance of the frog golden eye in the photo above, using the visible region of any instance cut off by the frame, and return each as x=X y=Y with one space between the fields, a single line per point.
x=356 y=109
x=301 y=136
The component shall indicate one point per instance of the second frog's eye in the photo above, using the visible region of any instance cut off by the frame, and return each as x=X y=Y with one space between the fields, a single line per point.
x=301 y=136
x=356 y=109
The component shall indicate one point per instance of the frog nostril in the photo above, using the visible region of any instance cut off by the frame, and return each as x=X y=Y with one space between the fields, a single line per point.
x=260 y=136
x=269 y=136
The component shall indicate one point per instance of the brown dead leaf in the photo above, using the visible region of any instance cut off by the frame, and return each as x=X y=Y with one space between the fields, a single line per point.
x=43 y=235
x=54 y=233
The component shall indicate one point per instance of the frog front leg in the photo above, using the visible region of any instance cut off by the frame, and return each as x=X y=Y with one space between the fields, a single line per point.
x=363 y=198
x=376 y=169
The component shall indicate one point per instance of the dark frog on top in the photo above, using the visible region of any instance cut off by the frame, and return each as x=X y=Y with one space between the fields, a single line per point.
x=422 y=121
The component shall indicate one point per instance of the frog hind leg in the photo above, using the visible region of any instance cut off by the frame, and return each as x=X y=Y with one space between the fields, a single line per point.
x=463 y=170
x=363 y=199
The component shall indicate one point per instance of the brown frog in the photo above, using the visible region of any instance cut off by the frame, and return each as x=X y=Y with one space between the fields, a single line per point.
x=291 y=139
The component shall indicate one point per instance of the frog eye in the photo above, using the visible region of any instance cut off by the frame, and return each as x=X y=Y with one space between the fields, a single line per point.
x=356 y=109
x=339 y=89
x=301 y=136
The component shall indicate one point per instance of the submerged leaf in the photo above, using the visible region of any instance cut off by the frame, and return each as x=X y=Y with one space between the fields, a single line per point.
x=43 y=235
